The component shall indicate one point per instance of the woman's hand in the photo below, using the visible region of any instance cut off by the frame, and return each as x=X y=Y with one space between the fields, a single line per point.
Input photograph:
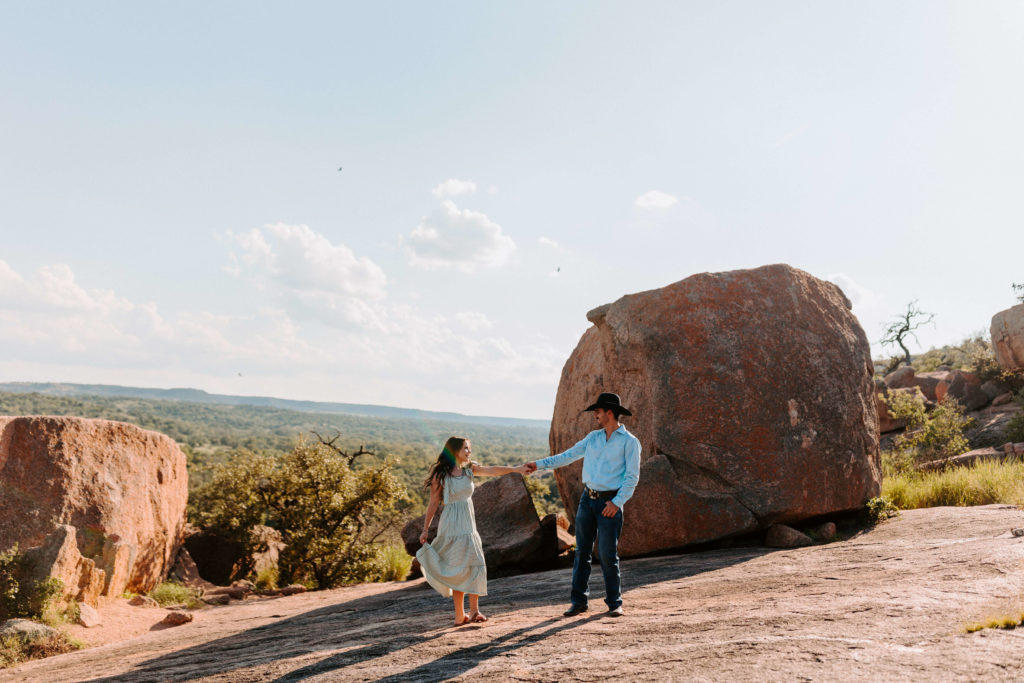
x=423 y=538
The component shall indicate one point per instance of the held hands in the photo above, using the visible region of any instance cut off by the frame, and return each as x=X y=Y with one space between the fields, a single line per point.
x=529 y=468
x=610 y=509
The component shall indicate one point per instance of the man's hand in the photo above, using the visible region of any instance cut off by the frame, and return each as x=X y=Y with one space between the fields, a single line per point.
x=423 y=538
x=531 y=467
x=610 y=509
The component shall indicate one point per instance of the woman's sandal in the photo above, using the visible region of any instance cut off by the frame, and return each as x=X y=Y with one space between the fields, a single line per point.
x=465 y=620
x=477 y=618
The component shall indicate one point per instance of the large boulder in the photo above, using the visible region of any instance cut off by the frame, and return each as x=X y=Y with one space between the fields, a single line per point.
x=906 y=378
x=1008 y=338
x=122 y=489
x=965 y=387
x=507 y=521
x=753 y=400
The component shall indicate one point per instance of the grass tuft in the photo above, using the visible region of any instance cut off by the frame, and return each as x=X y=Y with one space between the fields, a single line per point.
x=397 y=563
x=172 y=593
x=15 y=649
x=982 y=483
x=999 y=622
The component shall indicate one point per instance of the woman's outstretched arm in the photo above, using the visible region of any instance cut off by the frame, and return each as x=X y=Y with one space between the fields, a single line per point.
x=435 y=501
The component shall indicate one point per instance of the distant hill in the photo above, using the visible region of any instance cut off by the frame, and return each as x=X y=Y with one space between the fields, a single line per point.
x=200 y=396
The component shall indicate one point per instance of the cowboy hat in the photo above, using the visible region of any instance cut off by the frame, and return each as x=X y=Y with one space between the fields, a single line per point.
x=611 y=402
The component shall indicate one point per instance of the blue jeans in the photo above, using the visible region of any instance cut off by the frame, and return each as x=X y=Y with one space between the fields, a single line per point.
x=590 y=525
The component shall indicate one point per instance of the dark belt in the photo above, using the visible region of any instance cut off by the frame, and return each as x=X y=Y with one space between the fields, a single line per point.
x=599 y=495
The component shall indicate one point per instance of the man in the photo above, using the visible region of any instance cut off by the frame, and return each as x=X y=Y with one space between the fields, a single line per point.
x=611 y=470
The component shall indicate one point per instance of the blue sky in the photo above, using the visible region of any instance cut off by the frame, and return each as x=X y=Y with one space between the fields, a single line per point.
x=171 y=212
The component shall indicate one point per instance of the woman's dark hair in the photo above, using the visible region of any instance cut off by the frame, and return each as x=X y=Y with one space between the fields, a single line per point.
x=445 y=461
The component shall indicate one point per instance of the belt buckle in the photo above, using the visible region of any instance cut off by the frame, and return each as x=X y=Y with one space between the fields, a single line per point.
x=592 y=494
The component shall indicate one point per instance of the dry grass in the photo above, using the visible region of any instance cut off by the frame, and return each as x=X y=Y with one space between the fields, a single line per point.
x=14 y=649
x=170 y=593
x=1001 y=622
x=980 y=484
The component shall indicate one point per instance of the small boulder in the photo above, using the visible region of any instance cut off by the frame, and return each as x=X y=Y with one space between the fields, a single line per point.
x=143 y=601
x=244 y=585
x=1003 y=399
x=26 y=629
x=177 y=618
x=88 y=616
x=900 y=378
x=219 y=599
x=965 y=387
x=782 y=536
x=994 y=388
x=230 y=591
x=964 y=459
x=557 y=538
x=824 y=532
x=928 y=382
x=293 y=589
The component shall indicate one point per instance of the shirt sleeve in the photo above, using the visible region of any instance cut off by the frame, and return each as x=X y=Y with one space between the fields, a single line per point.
x=632 y=476
x=571 y=455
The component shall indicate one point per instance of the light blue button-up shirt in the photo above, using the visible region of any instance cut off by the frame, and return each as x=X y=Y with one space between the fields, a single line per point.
x=609 y=463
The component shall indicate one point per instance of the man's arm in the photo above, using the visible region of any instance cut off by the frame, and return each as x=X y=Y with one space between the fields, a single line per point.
x=562 y=459
x=632 y=477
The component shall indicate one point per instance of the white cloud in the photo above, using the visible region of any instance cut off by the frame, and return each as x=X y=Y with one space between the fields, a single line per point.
x=54 y=327
x=548 y=242
x=453 y=187
x=473 y=321
x=458 y=238
x=655 y=199
x=304 y=260
x=310 y=275
x=492 y=189
x=861 y=297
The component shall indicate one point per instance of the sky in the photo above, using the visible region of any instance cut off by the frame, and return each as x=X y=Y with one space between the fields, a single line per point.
x=415 y=204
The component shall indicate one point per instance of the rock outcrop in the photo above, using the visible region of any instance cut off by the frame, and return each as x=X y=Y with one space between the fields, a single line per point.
x=1008 y=338
x=223 y=560
x=116 y=493
x=510 y=530
x=965 y=387
x=753 y=400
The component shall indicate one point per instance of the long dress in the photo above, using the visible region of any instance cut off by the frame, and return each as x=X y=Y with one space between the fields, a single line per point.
x=455 y=558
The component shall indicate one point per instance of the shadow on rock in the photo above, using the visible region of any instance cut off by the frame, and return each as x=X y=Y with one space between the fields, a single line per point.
x=378 y=625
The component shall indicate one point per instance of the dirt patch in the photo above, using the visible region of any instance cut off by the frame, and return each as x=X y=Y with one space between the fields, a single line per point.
x=890 y=603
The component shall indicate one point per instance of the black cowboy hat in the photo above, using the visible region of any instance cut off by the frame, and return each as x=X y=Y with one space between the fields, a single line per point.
x=611 y=402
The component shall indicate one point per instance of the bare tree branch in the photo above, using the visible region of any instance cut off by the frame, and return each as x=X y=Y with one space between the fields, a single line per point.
x=898 y=330
x=349 y=457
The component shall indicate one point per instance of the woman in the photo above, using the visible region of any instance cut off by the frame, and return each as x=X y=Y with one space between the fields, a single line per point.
x=454 y=563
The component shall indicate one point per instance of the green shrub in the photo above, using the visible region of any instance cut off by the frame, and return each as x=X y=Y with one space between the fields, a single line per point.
x=14 y=649
x=21 y=596
x=544 y=492
x=1015 y=429
x=396 y=563
x=929 y=436
x=173 y=593
x=330 y=510
x=266 y=579
x=881 y=508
